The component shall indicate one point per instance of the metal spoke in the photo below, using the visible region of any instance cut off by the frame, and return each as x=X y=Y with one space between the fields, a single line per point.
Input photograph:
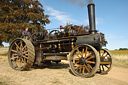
x=83 y=71
x=17 y=49
x=83 y=52
x=90 y=62
x=90 y=57
x=21 y=45
x=89 y=54
x=102 y=67
x=22 y=60
x=15 y=65
x=14 y=51
x=24 y=47
x=106 y=66
x=13 y=58
x=25 y=52
x=77 y=66
x=77 y=55
x=79 y=52
x=103 y=53
x=80 y=69
x=86 y=52
x=25 y=61
x=75 y=59
x=89 y=66
x=25 y=57
x=15 y=54
x=17 y=61
x=106 y=55
x=86 y=68
x=76 y=62
x=17 y=46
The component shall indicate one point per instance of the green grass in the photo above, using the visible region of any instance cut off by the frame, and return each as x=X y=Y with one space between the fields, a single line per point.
x=120 y=62
x=4 y=54
x=119 y=52
x=3 y=51
x=120 y=57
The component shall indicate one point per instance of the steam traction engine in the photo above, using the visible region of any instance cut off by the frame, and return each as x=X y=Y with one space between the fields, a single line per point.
x=86 y=58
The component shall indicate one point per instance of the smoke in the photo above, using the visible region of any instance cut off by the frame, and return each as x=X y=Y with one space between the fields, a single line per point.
x=89 y=1
x=81 y=3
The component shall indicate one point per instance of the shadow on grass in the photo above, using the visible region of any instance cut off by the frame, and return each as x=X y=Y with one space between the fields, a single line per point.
x=56 y=66
x=3 y=83
x=51 y=66
x=79 y=76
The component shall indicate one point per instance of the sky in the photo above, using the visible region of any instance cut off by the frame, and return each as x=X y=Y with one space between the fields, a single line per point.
x=111 y=17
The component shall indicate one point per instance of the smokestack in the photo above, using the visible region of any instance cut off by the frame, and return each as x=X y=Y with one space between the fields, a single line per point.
x=91 y=14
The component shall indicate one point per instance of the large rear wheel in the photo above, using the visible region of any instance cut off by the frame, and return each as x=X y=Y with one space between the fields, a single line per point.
x=84 y=61
x=21 y=54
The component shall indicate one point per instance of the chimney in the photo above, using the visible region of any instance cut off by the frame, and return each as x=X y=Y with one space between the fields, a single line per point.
x=91 y=14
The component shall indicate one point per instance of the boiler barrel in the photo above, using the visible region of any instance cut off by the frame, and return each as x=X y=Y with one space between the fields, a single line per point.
x=92 y=39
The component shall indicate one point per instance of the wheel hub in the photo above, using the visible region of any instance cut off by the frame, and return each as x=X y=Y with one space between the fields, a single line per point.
x=82 y=60
x=20 y=54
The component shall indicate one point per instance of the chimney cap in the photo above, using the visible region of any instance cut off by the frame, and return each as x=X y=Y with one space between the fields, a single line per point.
x=91 y=4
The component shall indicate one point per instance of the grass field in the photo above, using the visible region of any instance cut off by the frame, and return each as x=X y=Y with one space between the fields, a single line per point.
x=119 y=52
x=3 y=51
x=120 y=57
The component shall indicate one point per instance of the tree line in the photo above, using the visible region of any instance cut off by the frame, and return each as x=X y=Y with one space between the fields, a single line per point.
x=123 y=48
x=15 y=15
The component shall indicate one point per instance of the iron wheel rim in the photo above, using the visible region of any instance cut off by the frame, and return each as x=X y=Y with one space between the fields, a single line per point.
x=21 y=56
x=90 y=59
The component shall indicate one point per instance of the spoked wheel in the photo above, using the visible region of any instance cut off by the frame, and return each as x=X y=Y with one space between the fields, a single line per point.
x=21 y=54
x=84 y=61
x=37 y=36
x=105 y=62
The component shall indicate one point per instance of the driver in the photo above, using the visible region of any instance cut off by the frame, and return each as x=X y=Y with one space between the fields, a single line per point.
x=26 y=31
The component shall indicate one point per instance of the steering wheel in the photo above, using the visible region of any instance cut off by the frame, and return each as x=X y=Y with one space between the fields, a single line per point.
x=53 y=36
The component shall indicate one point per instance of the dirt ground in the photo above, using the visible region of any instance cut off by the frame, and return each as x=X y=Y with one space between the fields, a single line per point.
x=58 y=75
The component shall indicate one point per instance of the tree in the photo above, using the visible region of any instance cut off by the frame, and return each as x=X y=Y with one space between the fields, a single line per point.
x=104 y=42
x=15 y=15
x=1 y=45
x=85 y=29
x=123 y=48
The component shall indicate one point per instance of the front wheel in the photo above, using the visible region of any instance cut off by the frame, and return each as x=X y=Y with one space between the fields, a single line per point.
x=84 y=61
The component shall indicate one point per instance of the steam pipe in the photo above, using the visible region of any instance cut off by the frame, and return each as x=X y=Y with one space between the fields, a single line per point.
x=91 y=14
